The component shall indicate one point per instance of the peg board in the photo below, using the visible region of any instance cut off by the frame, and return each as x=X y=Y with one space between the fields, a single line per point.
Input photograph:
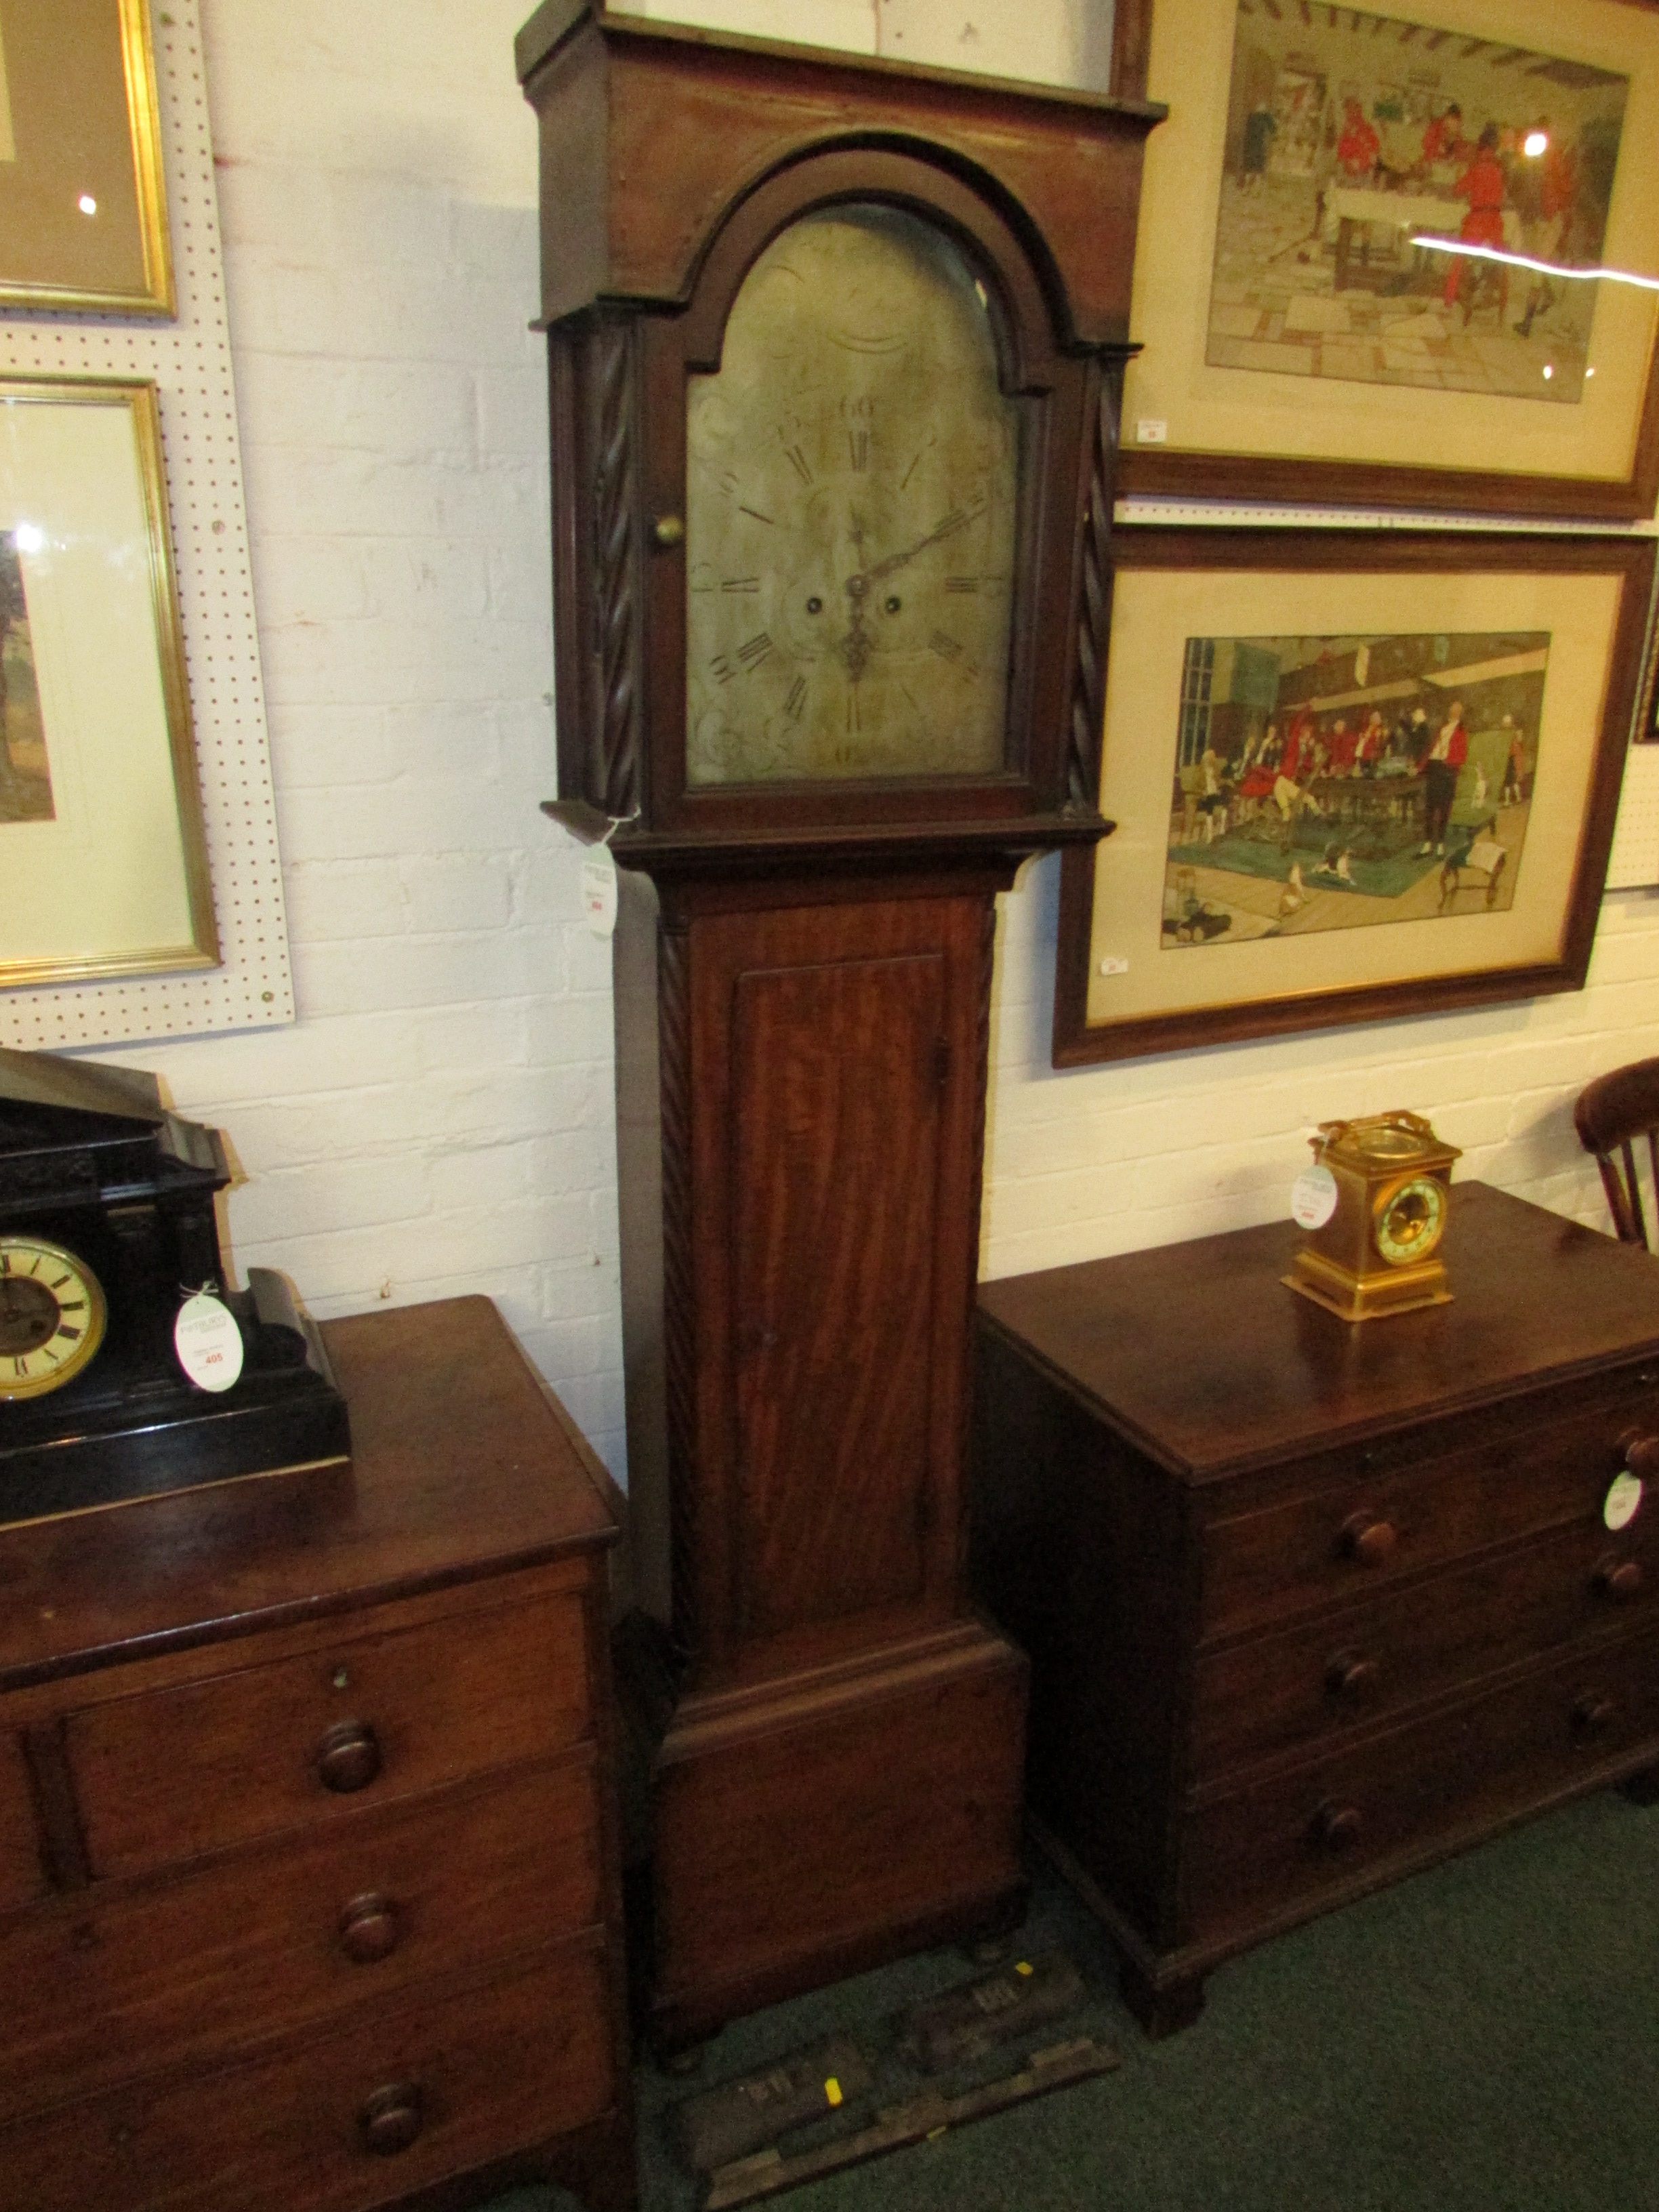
x=189 y=361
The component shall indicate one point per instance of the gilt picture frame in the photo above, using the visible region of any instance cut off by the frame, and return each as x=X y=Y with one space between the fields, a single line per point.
x=1354 y=775
x=83 y=214
x=1310 y=332
x=103 y=850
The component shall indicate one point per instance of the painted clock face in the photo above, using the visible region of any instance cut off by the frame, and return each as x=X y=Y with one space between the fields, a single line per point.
x=1408 y=1220
x=51 y=1317
x=853 y=483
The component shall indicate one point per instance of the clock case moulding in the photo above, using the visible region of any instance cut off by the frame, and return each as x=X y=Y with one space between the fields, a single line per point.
x=92 y=1161
x=827 y=1739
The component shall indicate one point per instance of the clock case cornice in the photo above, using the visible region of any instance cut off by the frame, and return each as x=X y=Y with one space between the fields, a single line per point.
x=737 y=138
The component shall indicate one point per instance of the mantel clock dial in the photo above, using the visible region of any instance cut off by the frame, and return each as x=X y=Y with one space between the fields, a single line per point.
x=108 y=1237
x=853 y=485
x=51 y=1317
x=1386 y=1183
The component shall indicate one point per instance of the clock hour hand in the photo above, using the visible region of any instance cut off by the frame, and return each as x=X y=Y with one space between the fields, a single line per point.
x=948 y=528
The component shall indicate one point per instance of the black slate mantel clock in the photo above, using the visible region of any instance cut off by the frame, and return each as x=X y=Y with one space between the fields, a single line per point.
x=836 y=349
x=106 y=1227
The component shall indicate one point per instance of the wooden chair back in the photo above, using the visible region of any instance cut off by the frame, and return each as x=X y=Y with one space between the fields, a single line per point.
x=1613 y=1115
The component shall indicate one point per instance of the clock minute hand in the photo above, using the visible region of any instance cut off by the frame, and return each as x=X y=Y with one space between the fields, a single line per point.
x=948 y=528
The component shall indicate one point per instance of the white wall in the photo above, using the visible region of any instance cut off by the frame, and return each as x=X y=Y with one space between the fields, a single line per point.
x=440 y=1119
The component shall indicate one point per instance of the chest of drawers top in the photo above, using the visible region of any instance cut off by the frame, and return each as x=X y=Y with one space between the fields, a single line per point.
x=462 y=1469
x=1200 y=1357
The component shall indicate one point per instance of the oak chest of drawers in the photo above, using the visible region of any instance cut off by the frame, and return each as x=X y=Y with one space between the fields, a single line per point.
x=308 y=1871
x=1312 y=1604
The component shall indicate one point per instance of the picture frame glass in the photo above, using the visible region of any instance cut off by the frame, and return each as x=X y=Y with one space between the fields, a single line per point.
x=1343 y=791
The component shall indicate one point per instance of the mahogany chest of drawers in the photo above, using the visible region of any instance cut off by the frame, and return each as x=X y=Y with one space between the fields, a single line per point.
x=308 y=1869
x=1310 y=1605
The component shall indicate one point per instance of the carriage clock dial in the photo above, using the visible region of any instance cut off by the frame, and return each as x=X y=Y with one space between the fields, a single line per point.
x=853 y=478
x=1409 y=1219
x=51 y=1317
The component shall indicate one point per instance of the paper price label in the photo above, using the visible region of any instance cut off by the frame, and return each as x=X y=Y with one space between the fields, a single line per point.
x=600 y=891
x=208 y=1342
x=1313 y=1198
x=1623 y=1498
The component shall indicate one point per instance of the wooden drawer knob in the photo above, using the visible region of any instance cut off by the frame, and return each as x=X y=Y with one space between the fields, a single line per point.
x=349 y=1757
x=1366 y=1539
x=391 y=2120
x=1641 y=1452
x=368 y=1928
x=1352 y=1676
x=1337 y=1828
x=1592 y=1715
x=1618 y=1579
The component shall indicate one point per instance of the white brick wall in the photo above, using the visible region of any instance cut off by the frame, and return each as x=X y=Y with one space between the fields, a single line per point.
x=440 y=1120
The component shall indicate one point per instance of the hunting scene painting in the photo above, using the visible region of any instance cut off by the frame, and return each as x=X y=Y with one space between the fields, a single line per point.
x=25 y=780
x=1349 y=136
x=1334 y=782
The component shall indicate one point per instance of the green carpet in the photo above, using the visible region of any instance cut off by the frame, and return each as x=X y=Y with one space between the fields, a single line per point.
x=1482 y=2038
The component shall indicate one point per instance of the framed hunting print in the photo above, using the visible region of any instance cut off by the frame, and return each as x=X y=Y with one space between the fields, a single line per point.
x=1353 y=774
x=1400 y=258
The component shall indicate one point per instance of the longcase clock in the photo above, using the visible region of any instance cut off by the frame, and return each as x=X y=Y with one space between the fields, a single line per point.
x=836 y=349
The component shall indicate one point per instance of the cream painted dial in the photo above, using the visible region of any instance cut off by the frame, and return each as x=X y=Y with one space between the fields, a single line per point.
x=852 y=478
x=51 y=1317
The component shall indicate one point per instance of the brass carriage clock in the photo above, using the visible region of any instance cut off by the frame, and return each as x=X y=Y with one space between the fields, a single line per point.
x=1385 y=1200
x=836 y=349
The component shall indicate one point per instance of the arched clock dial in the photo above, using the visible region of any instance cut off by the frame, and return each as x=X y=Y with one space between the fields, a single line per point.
x=853 y=481
x=51 y=1317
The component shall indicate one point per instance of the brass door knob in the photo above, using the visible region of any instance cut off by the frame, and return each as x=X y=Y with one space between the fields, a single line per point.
x=349 y=1757
x=390 y=2119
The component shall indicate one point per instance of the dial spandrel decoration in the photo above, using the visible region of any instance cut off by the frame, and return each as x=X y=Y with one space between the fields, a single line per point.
x=51 y=1317
x=853 y=481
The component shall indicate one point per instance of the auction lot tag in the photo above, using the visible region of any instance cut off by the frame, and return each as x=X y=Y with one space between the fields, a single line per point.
x=1313 y=1198
x=600 y=891
x=1624 y=1496
x=208 y=1342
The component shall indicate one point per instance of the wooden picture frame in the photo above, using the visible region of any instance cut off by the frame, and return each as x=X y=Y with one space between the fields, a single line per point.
x=1294 y=352
x=102 y=845
x=1275 y=700
x=83 y=218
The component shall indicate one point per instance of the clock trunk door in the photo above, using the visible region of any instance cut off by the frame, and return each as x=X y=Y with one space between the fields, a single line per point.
x=849 y=1050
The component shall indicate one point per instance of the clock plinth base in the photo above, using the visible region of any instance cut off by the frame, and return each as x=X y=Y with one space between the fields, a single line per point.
x=1367 y=1298
x=809 y=1827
